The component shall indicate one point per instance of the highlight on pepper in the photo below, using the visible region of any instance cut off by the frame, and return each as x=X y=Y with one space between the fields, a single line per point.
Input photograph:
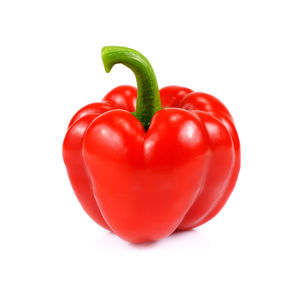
x=145 y=162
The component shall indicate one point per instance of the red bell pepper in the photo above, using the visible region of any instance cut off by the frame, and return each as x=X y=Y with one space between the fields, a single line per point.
x=144 y=163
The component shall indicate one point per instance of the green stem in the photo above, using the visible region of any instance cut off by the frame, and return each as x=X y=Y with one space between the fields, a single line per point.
x=148 y=99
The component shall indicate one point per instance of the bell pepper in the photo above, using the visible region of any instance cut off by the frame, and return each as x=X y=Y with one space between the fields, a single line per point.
x=145 y=162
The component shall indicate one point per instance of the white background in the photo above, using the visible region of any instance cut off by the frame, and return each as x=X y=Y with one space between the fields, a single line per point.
x=244 y=52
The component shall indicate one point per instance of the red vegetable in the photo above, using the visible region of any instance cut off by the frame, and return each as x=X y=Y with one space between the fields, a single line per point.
x=145 y=162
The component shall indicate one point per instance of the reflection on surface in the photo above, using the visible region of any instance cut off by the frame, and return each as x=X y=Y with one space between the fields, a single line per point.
x=189 y=133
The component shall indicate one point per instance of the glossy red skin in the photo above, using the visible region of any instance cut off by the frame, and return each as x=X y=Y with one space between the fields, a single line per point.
x=143 y=185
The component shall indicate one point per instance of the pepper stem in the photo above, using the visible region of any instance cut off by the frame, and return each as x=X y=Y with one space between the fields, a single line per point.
x=148 y=99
